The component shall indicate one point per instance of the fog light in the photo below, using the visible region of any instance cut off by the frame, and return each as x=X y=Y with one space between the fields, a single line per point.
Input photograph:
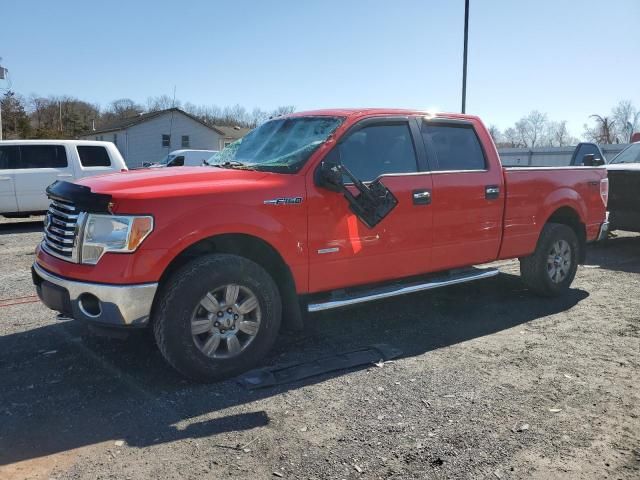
x=89 y=305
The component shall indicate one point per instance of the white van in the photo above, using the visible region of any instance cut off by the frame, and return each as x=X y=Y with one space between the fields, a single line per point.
x=28 y=167
x=186 y=158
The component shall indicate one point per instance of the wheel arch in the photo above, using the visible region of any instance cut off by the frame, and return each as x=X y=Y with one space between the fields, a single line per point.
x=567 y=215
x=257 y=250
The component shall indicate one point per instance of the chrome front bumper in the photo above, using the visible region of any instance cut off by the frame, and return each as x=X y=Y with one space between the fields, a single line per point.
x=604 y=229
x=116 y=305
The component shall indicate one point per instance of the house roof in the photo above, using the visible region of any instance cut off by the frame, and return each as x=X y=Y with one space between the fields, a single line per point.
x=233 y=132
x=125 y=123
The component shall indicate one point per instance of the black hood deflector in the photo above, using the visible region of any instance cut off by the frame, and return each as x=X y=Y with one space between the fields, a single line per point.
x=81 y=196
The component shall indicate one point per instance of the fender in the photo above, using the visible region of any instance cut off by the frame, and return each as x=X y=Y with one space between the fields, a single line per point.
x=520 y=239
x=287 y=238
x=562 y=197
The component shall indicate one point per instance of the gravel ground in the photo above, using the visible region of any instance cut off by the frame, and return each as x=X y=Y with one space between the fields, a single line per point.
x=493 y=383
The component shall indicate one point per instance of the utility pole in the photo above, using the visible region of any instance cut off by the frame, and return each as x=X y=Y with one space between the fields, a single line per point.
x=3 y=76
x=464 y=56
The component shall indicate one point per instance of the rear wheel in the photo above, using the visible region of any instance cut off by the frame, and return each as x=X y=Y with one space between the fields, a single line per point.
x=217 y=317
x=550 y=270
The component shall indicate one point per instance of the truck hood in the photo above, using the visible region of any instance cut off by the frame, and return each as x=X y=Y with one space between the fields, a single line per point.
x=634 y=167
x=172 y=182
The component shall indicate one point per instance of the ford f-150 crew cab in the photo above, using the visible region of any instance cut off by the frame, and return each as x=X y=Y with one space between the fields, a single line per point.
x=308 y=212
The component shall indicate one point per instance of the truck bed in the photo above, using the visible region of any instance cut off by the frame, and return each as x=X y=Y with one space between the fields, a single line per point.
x=534 y=194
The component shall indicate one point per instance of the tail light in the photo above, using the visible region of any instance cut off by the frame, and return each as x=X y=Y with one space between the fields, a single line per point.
x=604 y=190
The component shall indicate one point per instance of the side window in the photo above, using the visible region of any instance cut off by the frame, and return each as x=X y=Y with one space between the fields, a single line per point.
x=43 y=156
x=166 y=140
x=92 y=156
x=8 y=157
x=378 y=149
x=185 y=141
x=455 y=147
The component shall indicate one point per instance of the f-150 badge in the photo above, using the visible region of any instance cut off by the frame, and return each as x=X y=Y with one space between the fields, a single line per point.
x=284 y=201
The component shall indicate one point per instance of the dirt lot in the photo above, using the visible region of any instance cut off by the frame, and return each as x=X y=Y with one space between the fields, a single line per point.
x=493 y=383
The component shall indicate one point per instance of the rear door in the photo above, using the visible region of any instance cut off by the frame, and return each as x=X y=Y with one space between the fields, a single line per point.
x=468 y=197
x=343 y=251
x=94 y=160
x=9 y=155
x=38 y=167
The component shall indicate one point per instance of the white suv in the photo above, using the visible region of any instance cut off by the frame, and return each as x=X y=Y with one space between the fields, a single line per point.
x=28 y=167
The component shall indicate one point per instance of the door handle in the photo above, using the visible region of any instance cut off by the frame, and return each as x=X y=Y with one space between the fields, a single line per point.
x=421 y=197
x=491 y=192
x=61 y=175
x=5 y=178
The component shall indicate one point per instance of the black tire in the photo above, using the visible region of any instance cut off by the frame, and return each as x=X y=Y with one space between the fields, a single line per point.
x=181 y=295
x=535 y=271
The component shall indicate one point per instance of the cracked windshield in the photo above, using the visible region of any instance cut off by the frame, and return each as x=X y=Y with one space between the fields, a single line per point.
x=282 y=145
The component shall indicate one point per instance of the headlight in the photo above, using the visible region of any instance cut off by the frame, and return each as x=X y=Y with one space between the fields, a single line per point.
x=113 y=233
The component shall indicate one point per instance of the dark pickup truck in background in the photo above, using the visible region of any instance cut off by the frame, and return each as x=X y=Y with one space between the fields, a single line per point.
x=624 y=185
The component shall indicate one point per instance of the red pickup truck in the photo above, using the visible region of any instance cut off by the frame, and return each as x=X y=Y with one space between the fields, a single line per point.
x=308 y=212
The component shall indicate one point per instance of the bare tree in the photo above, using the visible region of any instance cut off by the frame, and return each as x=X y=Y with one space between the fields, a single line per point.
x=68 y=117
x=161 y=102
x=495 y=133
x=558 y=134
x=123 y=108
x=604 y=130
x=531 y=129
x=283 y=110
x=511 y=137
x=626 y=120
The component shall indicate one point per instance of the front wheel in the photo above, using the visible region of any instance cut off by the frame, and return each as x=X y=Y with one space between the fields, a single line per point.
x=550 y=270
x=217 y=317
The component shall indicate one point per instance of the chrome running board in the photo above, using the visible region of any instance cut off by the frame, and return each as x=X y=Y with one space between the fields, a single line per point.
x=387 y=291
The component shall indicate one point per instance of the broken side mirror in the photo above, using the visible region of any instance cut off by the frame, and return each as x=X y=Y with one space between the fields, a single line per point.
x=374 y=202
x=329 y=175
x=590 y=160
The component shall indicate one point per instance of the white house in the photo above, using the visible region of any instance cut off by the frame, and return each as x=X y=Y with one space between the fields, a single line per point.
x=149 y=137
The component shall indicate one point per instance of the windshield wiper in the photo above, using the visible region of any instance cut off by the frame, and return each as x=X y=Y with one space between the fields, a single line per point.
x=233 y=164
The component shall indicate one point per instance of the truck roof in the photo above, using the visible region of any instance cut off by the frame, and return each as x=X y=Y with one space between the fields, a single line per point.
x=357 y=112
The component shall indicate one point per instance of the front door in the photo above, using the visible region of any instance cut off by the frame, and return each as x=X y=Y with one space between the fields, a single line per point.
x=39 y=166
x=343 y=250
x=468 y=196
x=8 y=160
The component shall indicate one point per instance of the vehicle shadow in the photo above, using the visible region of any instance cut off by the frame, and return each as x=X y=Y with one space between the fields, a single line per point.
x=61 y=393
x=21 y=227
x=621 y=253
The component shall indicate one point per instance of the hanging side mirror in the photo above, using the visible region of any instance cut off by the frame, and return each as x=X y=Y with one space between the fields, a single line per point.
x=329 y=175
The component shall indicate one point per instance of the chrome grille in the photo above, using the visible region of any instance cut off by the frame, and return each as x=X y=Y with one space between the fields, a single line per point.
x=60 y=228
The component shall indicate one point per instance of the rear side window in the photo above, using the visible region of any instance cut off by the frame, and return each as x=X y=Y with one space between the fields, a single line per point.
x=8 y=157
x=378 y=149
x=455 y=147
x=43 y=156
x=93 y=156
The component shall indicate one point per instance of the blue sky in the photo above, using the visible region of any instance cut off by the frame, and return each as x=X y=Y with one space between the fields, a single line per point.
x=567 y=58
